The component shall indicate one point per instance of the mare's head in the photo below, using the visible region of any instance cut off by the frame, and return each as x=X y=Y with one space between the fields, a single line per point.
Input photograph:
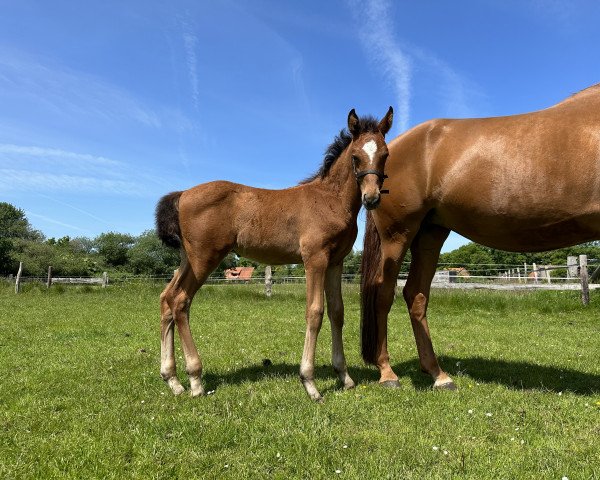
x=369 y=152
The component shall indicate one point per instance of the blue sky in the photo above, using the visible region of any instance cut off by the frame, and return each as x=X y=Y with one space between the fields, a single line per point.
x=106 y=106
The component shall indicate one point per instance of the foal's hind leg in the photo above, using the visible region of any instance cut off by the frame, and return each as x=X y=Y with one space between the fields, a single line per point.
x=425 y=251
x=335 y=312
x=167 y=340
x=179 y=296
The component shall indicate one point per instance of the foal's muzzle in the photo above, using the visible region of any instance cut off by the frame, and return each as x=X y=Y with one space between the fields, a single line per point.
x=372 y=200
x=371 y=203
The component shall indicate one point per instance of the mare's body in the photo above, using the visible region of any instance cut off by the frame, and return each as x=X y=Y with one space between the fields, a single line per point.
x=520 y=183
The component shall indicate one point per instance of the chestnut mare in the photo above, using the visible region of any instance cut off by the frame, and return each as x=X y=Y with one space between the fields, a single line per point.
x=520 y=183
x=313 y=223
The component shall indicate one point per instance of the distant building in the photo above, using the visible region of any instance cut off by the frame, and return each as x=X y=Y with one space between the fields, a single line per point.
x=239 y=273
x=449 y=275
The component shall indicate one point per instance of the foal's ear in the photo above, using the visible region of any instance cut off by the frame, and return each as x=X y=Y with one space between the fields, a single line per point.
x=353 y=124
x=386 y=122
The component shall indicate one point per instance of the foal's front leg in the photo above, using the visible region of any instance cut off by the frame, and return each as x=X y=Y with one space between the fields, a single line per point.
x=335 y=312
x=315 y=279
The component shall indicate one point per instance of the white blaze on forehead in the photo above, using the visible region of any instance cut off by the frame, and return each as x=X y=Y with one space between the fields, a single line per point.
x=370 y=148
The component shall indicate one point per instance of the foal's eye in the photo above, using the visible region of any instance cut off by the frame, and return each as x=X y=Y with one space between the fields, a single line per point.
x=355 y=160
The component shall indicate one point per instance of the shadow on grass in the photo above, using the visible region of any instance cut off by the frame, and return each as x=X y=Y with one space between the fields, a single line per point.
x=513 y=375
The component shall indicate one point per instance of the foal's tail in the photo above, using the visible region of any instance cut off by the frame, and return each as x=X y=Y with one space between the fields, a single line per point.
x=167 y=220
x=371 y=258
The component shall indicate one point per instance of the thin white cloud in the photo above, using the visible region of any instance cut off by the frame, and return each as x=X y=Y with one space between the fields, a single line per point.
x=456 y=92
x=43 y=169
x=7 y=149
x=394 y=60
x=190 y=43
x=77 y=209
x=56 y=222
x=384 y=52
x=34 y=181
x=65 y=92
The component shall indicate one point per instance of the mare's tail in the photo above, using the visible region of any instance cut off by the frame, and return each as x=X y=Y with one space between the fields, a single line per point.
x=371 y=258
x=167 y=220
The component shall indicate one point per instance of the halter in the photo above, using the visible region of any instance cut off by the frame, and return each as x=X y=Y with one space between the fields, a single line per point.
x=382 y=176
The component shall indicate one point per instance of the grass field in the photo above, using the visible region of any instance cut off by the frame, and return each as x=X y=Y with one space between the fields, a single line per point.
x=81 y=396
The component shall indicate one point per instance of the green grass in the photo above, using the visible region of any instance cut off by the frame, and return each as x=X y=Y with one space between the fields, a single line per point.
x=81 y=396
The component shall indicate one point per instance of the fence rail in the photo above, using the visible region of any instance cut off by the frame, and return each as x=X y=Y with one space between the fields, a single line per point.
x=505 y=277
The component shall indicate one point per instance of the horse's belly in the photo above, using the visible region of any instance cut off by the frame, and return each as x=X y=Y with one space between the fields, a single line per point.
x=524 y=233
x=269 y=254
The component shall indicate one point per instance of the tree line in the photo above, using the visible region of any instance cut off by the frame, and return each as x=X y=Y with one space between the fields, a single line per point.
x=146 y=255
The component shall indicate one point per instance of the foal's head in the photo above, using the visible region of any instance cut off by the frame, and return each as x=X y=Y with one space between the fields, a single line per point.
x=369 y=153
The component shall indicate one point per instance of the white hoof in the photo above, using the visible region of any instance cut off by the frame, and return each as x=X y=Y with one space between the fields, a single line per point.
x=175 y=386
x=196 y=388
x=444 y=384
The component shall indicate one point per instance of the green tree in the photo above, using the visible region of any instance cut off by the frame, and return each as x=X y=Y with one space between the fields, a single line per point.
x=14 y=224
x=14 y=230
x=149 y=256
x=114 y=248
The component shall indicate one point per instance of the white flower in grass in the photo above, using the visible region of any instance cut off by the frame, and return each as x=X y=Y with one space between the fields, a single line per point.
x=445 y=452
x=565 y=478
x=436 y=448
x=338 y=471
x=345 y=446
x=488 y=414
x=470 y=411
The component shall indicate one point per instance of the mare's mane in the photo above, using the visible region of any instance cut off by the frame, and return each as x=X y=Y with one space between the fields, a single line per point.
x=366 y=124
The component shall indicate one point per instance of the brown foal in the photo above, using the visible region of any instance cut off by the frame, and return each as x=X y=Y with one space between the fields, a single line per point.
x=313 y=223
x=520 y=183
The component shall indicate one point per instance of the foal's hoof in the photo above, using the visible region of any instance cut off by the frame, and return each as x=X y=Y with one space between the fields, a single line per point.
x=349 y=385
x=175 y=386
x=390 y=384
x=449 y=385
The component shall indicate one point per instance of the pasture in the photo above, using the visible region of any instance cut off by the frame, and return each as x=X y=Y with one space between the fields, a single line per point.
x=81 y=395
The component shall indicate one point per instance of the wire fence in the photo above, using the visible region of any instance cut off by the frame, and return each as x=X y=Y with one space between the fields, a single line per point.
x=452 y=275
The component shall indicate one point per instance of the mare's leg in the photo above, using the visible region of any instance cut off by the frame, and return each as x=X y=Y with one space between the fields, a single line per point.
x=167 y=340
x=392 y=254
x=335 y=312
x=315 y=280
x=425 y=251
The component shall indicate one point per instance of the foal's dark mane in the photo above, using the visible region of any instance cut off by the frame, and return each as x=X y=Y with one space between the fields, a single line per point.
x=366 y=124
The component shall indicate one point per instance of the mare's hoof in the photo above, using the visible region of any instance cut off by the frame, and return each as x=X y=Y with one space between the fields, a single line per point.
x=390 y=384
x=445 y=386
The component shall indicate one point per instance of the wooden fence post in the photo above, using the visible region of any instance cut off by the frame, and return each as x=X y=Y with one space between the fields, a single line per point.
x=268 y=281
x=18 y=280
x=572 y=267
x=104 y=280
x=583 y=275
x=49 y=281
